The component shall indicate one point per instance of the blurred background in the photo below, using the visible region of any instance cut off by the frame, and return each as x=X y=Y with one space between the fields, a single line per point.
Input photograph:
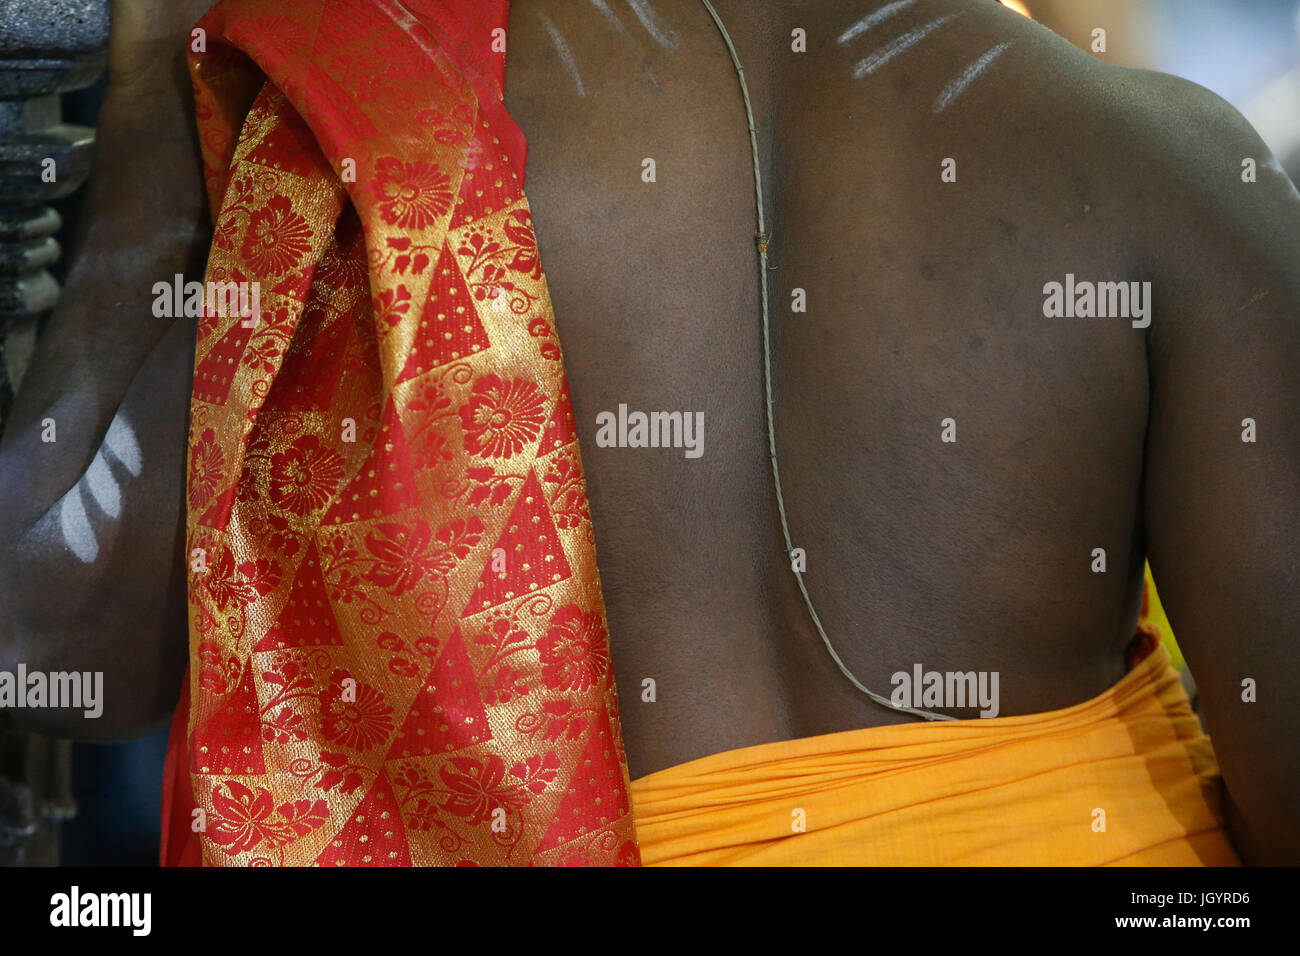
x=1247 y=51
x=1244 y=50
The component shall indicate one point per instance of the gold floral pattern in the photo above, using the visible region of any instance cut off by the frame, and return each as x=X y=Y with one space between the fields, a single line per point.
x=412 y=195
x=502 y=418
x=398 y=647
x=277 y=238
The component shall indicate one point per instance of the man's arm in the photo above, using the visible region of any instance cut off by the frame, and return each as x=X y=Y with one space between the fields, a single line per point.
x=91 y=526
x=1222 y=512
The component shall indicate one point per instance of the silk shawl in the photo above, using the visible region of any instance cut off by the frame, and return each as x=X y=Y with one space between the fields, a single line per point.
x=398 y=647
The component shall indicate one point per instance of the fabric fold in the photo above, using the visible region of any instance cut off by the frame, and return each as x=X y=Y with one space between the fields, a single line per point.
x=398 y=648
x=1125 y=778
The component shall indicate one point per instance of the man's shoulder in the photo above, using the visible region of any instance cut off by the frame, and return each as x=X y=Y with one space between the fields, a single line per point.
x=1177 y=142
x=1211 y=208
x=1160 y=164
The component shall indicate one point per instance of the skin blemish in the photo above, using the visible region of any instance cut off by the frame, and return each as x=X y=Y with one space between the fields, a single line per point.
x=872 y=19
x=968 y=76
x=662 y=33
x=897 y=46
x=566 y=57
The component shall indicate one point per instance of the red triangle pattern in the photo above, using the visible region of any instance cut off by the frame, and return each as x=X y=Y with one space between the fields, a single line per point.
x=289 y=145
x=214 y=375
x=385 y=484
x=445 y=334
x=230 y=741
x=308 y=619
x=534 y=556
x=448 y=713
x=374 y=836
x=596 y=796
x=484 y=191
x=218 y=513
x=560 y=429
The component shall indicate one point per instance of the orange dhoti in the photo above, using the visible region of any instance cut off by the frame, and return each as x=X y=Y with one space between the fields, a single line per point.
x=1127 y=778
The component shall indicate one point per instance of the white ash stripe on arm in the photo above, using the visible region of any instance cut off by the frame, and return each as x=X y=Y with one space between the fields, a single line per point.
x=121 y=444
x=99 y=485
x=78 y=535
x=612 y=17
x=902 y=44
x=872 y=19
x=566 y=57
x=968 y=76
x=653 y=23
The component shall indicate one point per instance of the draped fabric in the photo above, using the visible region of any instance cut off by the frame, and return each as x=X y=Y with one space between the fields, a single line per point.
x=398 y=648
x=1128 y=778
x=1153 y=619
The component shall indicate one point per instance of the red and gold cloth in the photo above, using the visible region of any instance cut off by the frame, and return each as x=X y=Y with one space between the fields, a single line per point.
x=398 y=648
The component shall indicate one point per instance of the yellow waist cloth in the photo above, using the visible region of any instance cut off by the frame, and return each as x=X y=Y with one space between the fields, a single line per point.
x=1031 y=790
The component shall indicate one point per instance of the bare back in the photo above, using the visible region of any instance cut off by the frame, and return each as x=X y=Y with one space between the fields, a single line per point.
x=924 y=303
x=931 y=166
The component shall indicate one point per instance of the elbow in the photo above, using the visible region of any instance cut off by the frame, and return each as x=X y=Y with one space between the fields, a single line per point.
x=79 y=705
x=86 y=684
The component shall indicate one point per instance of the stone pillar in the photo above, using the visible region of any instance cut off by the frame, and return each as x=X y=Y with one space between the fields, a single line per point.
x=47 y=47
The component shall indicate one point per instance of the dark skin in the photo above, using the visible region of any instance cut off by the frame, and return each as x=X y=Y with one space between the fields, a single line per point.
x=104 y=353
x=924 y=303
